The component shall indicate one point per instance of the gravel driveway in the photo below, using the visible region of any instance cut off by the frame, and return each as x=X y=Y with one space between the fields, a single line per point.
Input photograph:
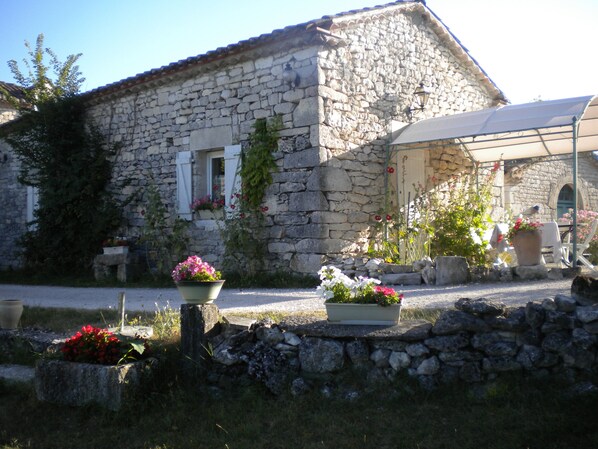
x=261 y=300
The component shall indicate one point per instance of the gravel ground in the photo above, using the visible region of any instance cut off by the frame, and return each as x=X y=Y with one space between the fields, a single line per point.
x=287 y=300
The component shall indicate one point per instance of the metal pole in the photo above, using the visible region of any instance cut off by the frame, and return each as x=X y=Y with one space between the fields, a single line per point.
x=574 y=192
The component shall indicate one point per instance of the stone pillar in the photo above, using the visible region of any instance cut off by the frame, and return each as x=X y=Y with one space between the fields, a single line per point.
x=199 y=323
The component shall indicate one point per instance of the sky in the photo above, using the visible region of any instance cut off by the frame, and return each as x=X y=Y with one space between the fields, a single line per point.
x=531 y=49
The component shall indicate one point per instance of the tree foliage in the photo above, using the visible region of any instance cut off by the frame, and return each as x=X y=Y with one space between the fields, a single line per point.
x=66 y=159
x=37 y=83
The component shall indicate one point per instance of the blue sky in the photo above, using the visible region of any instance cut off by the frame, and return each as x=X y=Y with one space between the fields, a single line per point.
x=530 y=48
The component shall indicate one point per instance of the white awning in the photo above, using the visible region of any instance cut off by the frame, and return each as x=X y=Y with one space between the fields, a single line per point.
x=521 y=131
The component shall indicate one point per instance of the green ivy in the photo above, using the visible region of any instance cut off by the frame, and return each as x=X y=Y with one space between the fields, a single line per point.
x=243 y=229
x=66 y=159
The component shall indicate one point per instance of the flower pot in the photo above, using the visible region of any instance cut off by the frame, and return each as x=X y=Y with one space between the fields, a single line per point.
x=116 y=249
x=199 y=292
x=528 y=247
x=363 y=314
x=10 y=313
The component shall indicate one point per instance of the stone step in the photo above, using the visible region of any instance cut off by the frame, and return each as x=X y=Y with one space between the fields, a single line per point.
x=17 y=374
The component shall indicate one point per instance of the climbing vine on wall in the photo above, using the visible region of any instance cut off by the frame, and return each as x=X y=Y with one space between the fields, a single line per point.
x=243 y=229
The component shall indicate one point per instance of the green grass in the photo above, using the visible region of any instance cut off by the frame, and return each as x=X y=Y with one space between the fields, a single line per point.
x=515 y=415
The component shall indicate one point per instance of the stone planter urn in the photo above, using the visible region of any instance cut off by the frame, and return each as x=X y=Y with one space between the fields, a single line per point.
x=528 y=247
x=10 y=313
x=194 y=292
x=363 y=314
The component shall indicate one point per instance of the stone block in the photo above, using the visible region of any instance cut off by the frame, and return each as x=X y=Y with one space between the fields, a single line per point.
x=309 y=158
x=199 y=323
x=307 y=112
x=531 y=272
x=210 y=138
x=329 y=179
x=401 y=279
x=307 y=263
x=451 y=270
x=319 y=355
x=307 y=201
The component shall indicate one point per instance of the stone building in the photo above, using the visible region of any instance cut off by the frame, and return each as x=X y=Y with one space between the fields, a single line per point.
x=342 y=86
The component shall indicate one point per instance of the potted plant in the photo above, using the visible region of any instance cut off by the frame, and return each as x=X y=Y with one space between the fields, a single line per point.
x=197 y=281
x=93 y=366
x=208 y=208
x=526 y=239
x=10 y=313
x=116 y=245
x=358 y=301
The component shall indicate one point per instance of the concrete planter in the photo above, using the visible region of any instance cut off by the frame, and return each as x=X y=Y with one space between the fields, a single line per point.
x=528 y=247
x=79 y=384
x=217 y=214
x=363 y=314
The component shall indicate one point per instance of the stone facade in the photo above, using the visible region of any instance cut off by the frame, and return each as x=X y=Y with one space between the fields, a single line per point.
x=539 y=183
x=13 y=198
x=356 y=79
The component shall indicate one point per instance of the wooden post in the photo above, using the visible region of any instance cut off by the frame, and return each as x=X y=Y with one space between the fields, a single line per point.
x=199 y=323
x=121 y=309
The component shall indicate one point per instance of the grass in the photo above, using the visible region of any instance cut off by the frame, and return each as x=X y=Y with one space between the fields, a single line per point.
x=510 y=413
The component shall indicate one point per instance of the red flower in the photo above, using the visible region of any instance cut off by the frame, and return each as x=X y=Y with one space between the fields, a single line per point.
x=388 y=217
x=378 y=218
x=390 y=169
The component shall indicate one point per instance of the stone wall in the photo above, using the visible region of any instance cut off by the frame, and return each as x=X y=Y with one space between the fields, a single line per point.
x=13 y=212
x=540 y=181
x=475 y=343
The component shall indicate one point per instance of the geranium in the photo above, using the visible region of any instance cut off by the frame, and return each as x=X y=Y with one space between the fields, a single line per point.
x=195 y=269
x=207 y=203
x=337 y=287
x=521 y=225
x=100 y=346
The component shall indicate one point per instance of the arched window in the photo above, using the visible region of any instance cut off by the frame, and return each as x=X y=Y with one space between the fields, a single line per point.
x=565 y=201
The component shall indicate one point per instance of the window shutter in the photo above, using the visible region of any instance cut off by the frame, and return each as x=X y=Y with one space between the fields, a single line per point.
x=232 y=166
x=32 y=203
x=183 y=183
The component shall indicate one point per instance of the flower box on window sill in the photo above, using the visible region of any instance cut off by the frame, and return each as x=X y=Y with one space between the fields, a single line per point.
x=217 y=214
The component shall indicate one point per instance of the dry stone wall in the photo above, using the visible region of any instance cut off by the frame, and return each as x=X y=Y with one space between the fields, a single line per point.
x=474 y=343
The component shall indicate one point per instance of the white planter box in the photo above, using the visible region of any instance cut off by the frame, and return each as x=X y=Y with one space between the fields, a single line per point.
x=363 y=314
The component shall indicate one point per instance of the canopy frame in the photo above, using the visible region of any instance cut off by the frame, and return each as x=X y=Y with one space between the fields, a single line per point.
x=531 y=130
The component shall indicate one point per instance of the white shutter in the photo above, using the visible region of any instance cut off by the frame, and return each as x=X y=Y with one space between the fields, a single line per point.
x=411 y=166
x=32 y=202
x=232 y=166
x=183 y=184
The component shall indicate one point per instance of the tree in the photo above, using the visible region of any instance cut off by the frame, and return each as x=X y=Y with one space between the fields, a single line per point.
x=65 y=157
x=37 y=85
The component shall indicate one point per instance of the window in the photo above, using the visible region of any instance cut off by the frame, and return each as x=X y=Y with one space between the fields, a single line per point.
x=207 y=172
x=565 y=201
x=216 y=169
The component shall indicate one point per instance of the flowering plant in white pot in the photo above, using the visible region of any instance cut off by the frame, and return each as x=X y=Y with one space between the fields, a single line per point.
x=357 y=301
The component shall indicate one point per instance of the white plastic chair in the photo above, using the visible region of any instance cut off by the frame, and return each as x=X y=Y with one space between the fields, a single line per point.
x=551 y=238
x=581 y=247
